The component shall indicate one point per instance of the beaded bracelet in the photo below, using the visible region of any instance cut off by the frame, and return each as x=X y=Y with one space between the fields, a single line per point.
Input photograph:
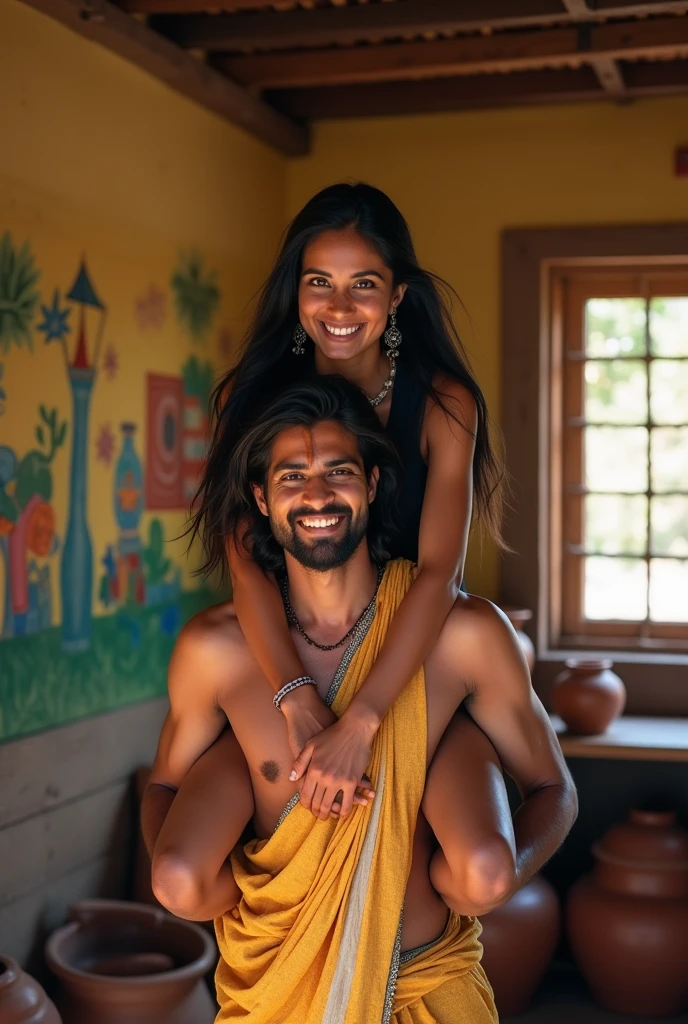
x=288 y=687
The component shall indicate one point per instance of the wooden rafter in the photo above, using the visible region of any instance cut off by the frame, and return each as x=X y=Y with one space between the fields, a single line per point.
x=563 y=85
x=373 y=22
x=106 y=24
x=187 y=6
x=609 y=76
x=605 y=67
x=599 y=46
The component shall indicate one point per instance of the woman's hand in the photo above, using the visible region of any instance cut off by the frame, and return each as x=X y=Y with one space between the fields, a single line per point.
x=331 y=753
x=333 y=762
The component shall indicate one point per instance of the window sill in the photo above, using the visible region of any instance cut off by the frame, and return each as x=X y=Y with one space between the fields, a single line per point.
x=630 y=738
x=621 y=657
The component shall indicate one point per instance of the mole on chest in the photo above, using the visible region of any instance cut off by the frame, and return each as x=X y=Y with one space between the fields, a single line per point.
x=270 y=770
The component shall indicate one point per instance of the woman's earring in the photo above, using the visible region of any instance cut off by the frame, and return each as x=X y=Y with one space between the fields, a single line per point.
x=299 y=338
x=392 y=336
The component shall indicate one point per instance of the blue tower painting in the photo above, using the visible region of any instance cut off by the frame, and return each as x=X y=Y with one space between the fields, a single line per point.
x=76 y=570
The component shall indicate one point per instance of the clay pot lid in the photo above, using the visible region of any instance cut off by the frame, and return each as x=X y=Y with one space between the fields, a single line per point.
x=589 y=664
x=650 y=839
x=9 y=969
x=515 y=614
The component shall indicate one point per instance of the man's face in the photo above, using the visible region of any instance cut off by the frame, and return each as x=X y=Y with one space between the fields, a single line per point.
x=317 y=494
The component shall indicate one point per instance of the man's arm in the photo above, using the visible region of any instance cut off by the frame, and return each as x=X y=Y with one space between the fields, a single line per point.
x=187 y=839
x=505 y=706
x=191 y=726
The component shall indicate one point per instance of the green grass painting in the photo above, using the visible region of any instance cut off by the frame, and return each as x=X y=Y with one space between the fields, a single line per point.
x=42 y=686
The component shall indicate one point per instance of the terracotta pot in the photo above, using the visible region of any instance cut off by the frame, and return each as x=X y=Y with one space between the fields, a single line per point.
x=588 y=695
x=627 y=921
x=126 y=963
x=517 y=617
x=22 y=1000
x=519 y=940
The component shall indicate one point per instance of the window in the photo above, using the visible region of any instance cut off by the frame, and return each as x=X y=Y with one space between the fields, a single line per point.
x=619 y=462
x=566 y=292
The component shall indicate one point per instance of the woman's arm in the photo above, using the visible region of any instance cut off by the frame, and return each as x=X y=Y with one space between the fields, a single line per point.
x=445 y=523
x=263 y=622
x=260 y=612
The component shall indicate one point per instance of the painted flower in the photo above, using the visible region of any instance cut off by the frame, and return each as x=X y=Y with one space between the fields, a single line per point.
x=18 y=296
x=110 y=363
x=54 y=326
x=151 y=309
x=196 y=294
x=105 y=444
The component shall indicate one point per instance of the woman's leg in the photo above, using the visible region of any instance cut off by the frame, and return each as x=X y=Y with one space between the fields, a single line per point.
x=467 y=807
x=191 y=874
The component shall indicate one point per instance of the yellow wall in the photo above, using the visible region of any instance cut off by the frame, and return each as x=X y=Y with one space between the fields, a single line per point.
x=101 y=161
x=460 y=179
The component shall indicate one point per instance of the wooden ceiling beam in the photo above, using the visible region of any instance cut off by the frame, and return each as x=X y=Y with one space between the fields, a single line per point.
x=607 y=70
x=609 y=76
x=476 y=92
x=104 y=23
x=191 y=6
x=436 y=95
x=325 y=26
x=598 y=45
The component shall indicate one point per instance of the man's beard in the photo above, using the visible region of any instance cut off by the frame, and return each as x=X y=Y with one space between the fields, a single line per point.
x=326 y=553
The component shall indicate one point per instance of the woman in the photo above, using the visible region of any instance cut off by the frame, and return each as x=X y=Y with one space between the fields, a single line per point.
x=347 y=295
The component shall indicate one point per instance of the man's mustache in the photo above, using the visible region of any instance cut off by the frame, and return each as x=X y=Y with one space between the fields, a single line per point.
x=323 y=513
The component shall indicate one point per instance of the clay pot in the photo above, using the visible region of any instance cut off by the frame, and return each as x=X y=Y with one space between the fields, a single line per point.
x=588 y=695
x=517 y=617
x=627 y=921
x=126 y=963
x=519 y=940
x=22 y=1000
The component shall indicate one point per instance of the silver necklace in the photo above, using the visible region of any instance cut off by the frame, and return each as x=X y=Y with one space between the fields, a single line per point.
x=388 y=384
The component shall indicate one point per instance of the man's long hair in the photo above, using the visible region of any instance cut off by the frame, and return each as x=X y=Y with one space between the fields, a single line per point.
x=320 y=399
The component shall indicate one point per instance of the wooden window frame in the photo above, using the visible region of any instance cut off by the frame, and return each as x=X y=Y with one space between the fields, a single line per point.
x=571 y=287
x=532 y=414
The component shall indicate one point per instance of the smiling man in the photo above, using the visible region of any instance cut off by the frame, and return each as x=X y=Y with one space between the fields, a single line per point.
x=364 y=918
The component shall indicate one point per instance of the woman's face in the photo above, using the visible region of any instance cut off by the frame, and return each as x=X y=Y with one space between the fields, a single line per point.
x=345 y=293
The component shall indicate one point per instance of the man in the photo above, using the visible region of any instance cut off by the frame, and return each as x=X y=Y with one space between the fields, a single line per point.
x=345 y=921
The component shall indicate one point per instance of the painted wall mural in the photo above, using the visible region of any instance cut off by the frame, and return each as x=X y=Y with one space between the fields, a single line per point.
x=94 y=579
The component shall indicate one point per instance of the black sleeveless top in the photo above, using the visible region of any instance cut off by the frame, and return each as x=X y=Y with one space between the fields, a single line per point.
x=404 y=428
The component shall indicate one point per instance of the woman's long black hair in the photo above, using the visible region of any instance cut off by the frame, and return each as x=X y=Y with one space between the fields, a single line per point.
x=430 y=347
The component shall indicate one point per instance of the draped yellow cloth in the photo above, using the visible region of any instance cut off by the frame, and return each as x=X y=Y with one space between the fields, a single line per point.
x=315 y=937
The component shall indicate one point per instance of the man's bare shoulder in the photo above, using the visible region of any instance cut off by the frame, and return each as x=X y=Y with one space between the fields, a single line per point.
x=215 y=626
x=475 y=632
x=211 y=646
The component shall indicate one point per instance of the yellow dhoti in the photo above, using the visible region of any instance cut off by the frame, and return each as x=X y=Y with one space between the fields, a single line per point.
x=315 y=938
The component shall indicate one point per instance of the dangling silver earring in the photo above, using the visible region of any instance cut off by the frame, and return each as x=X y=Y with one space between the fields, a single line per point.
x=299 y=338
x=392 y=336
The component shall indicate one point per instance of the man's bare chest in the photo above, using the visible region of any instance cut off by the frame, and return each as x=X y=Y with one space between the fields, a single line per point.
x=262 y=730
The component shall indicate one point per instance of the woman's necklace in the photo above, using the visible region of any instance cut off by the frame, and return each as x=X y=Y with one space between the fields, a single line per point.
x=388 y=384
x=326 y=647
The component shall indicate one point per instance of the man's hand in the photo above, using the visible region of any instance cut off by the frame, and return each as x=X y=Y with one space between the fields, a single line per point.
x=331 y=753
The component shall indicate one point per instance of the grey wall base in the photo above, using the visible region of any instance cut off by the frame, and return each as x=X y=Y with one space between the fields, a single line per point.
x=68 y=820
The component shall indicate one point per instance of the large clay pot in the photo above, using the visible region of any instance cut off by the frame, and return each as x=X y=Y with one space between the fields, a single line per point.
x=627 y=921
x=22 y=1000
x=126 y=963
x=517 y=617
x=519 y=940
x=588 y=695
